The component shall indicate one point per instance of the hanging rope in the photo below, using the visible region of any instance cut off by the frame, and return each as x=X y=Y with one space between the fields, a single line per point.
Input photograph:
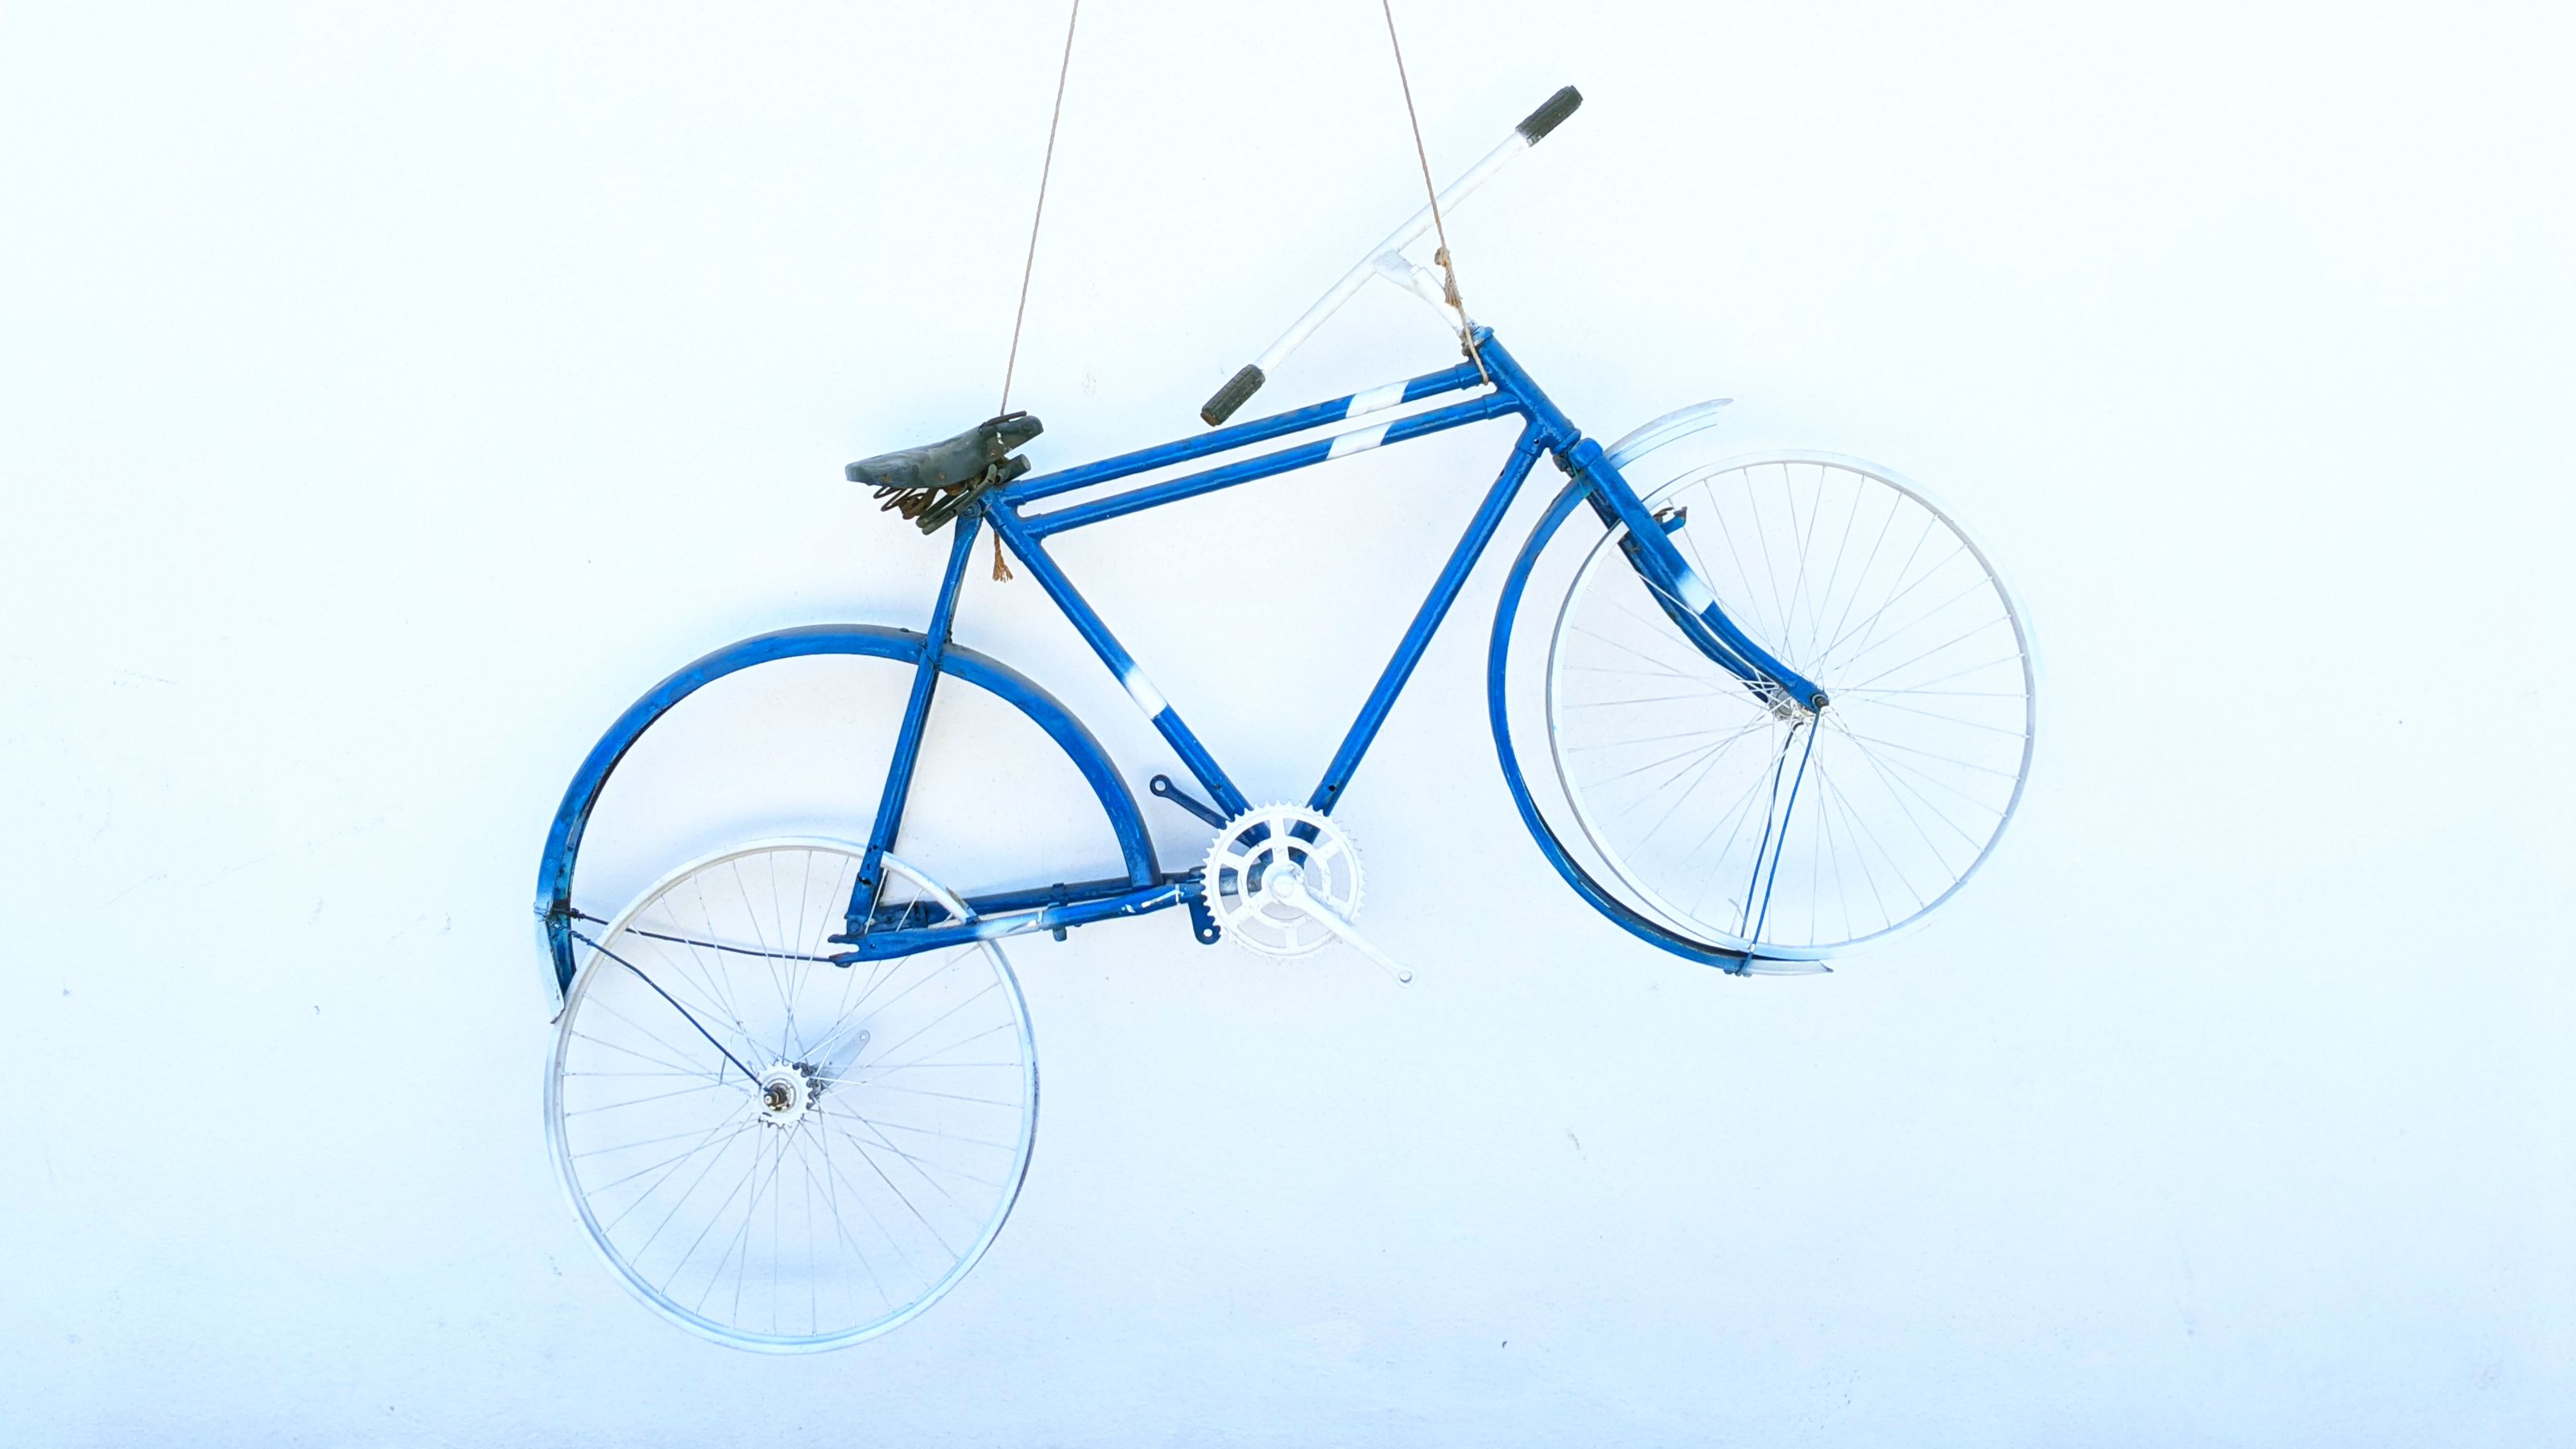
x=1028 y=269
x=1440 y=232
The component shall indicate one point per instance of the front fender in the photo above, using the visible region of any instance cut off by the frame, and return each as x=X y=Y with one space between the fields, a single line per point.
x=1549 y=844
x=1672 y=427
x=563 y=839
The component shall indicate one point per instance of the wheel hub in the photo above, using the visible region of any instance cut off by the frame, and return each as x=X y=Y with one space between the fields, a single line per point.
x=785 y=1092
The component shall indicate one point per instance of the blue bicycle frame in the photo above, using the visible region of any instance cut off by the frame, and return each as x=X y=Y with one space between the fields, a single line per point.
x=876 y=931
x=1503 y=389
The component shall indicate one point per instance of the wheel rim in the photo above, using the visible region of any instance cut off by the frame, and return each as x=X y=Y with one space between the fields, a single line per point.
x=1795 y=836
x=771 y=1151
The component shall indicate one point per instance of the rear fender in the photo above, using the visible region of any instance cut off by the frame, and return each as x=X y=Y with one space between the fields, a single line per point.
x=563 y=840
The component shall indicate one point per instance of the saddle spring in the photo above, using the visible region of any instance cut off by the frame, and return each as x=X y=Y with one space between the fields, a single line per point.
x=930 y=509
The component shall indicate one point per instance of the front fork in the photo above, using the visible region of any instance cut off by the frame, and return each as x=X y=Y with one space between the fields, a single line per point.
x=1679 y=589
x=1687 y=601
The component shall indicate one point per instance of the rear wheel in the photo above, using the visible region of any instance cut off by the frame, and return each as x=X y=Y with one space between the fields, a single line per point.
x=773 y=1151
x=1790 y=834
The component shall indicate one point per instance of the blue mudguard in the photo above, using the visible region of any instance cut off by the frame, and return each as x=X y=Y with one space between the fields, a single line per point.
x=1608 y=904
x=563 y=841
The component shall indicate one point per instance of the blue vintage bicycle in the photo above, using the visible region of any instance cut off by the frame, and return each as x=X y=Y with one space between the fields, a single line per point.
x=1783 y=706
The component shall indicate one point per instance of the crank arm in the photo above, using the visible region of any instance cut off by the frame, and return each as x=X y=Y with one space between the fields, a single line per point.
x=1292 y=892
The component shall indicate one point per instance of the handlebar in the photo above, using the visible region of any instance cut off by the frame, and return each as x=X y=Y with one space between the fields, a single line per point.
x=1385 y=258
x=1538 y=123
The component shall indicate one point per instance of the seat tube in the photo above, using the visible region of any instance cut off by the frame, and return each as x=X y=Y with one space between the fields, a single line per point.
x=916 y=716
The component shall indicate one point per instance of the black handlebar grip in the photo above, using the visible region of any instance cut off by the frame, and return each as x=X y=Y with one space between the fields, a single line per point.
x=1548 y=117
x=1231 y=396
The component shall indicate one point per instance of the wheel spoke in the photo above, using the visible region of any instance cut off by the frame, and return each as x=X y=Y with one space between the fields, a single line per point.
x=1903 y=783
x=782 y=1208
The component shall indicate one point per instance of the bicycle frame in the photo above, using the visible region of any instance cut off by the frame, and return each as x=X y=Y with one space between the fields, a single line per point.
x=1502 y=388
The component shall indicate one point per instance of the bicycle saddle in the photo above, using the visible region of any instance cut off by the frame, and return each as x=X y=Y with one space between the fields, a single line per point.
x=960 y=460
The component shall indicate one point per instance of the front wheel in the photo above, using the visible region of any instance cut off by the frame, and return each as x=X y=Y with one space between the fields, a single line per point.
x=1755 y=826
x=773 y=1151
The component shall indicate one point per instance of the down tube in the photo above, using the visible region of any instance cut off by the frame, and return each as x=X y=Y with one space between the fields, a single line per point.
x=1426 y=622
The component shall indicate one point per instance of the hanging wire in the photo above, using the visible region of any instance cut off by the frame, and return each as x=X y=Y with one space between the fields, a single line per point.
x=1028 y=268
x=1466 y=329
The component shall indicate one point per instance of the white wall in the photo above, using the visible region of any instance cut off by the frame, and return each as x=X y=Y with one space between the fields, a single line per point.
x=387 y=398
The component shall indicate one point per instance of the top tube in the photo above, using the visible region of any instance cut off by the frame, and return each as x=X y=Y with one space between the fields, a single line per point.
x=1676 y=586
x=1376 y=399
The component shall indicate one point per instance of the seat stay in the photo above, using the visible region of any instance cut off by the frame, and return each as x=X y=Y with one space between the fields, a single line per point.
x=916 y=718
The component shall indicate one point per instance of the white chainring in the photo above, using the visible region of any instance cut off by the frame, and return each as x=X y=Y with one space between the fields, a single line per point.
x=1254 y=870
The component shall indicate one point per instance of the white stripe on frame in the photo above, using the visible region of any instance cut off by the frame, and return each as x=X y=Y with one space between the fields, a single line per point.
x=1358 y=440
x=1376 y=399
x=1142 y=690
